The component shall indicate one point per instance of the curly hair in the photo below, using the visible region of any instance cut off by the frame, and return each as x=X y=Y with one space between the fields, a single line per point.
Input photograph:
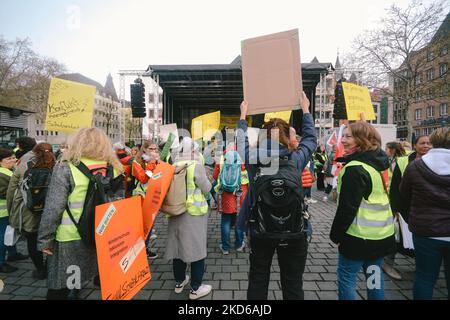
x=91 y=143
x=279 y=130
x=43 y=156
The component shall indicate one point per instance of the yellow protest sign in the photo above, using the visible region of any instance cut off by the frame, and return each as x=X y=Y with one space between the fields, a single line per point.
x=357 y=100
x=231 y=121
x=70 y=106
x=205 y=126
x=285 y=115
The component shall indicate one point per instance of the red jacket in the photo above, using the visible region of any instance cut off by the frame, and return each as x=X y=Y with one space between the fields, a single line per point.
x=126 y=162
x=139 y=172
x=307 y=178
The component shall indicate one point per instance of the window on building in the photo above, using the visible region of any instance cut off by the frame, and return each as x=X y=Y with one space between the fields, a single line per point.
x=37 y=132
x=418 y=79
x=417 y=132
x=430 y=56
x=418 y=114
x=56 y=133
x=443 y=109
x=42 y=132
x=444 y=51
x=375 y=109
x=430 y=93
x=443 y=68
x=430 y=112
x=430 y=74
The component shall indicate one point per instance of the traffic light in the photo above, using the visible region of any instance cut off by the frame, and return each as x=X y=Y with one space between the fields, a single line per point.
x=138 y=99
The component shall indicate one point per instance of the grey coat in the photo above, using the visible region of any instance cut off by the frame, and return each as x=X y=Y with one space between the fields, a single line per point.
x=65 y=254
x=19 y=216
x=187 y=234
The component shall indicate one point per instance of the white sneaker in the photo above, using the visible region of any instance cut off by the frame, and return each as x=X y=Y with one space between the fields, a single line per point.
x=325 y=198
x=153 y=236
x=391 y=272
x=312 y=200
x=241 y=248
x=180 y=286
x=225 y=252
x=202 y=291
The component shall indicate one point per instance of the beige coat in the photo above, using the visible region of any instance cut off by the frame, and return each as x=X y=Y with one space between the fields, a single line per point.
x=19 y=216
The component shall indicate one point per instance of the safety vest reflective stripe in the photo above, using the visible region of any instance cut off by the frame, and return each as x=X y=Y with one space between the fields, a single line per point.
x=376 y=207
x=196 y=202
x=3 y=206
x=67 y=230
x=374 y=219
x=373 y=223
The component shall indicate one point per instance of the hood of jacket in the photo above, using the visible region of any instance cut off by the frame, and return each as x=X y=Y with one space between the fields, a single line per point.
x=377 y=159
x=438 y=161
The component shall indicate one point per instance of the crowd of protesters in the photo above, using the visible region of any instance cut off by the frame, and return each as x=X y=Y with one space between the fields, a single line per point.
x=376 y=187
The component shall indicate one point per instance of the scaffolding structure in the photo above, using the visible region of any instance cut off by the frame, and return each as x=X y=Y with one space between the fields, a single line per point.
x=149 y=130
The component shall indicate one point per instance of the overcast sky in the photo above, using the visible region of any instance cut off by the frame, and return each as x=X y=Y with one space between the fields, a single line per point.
x=95 y=37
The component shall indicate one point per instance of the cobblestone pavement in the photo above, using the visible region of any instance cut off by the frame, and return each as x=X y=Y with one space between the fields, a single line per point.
x=228 y=275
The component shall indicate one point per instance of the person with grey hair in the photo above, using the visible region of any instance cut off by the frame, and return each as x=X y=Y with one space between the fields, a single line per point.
x=187 y=233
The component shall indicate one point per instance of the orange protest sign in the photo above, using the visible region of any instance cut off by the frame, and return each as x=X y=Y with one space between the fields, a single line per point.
x=121 y=255
x=157 y=188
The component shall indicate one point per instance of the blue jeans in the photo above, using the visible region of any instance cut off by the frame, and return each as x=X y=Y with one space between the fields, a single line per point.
x=225 y=226
x=429 y=256
x=307 y=192
x=197 y=271
x=347 y=274
x=11 y=250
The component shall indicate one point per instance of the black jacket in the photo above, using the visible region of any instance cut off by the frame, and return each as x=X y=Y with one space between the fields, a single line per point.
x=427 y=194
x=356 y=185
x=398 y=203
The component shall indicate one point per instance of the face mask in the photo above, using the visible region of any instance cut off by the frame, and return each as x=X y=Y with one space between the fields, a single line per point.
x=146 y=157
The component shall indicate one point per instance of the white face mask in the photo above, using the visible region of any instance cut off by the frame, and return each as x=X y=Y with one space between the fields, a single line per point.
x=146 y=157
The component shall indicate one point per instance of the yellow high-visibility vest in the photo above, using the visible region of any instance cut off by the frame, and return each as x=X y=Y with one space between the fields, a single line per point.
x=374 y=219
x=196 y=204
x=3 y=208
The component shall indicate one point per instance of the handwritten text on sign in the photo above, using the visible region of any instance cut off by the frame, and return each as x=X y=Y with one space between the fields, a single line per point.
x=70 y=106
x=357 y=100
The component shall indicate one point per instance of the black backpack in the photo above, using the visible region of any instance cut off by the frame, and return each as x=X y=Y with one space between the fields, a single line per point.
x=101 y=189
x=34 y=187
x=278 y=212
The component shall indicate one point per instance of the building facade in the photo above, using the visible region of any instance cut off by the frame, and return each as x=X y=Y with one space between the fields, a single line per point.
x=420 y=105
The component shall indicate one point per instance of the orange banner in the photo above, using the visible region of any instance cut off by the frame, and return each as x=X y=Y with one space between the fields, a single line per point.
x=158 y=185
x=121 y=254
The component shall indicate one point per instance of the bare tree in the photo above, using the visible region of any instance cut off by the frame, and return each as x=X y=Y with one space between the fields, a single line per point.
x=25 y=76
x=394 y=51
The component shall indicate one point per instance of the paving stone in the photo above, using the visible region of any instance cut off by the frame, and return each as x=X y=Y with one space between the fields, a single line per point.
x=239 y=295
x=311 y=276
x=229 y=285
x=326 y=286
x=327 y=295
x=222 y=295
x=240 y=276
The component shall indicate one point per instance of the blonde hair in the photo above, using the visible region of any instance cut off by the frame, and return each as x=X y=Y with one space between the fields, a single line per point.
x=91 y=143
x=406 y=145
x=440 y=138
